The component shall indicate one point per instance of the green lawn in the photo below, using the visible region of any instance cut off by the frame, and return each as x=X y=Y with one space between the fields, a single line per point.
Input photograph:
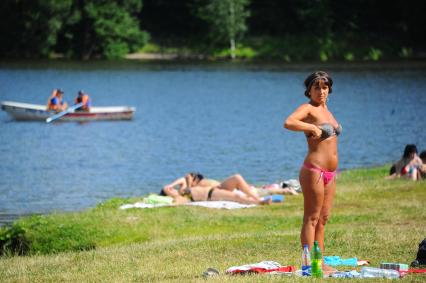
x=374 y=219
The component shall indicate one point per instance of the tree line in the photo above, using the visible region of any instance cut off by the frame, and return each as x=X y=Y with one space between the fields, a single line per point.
x=285 y=29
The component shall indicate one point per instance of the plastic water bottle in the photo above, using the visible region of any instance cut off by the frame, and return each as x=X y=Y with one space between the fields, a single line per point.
x=316 y=264
x=306 y=261
x=373 y=272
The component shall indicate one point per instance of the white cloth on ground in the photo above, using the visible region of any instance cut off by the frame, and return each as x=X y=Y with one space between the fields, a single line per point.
x=208 y=204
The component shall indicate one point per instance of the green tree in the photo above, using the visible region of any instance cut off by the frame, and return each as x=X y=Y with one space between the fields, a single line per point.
x=29 y=28
x=227 y=20
x=104 y=28
x=75 y=28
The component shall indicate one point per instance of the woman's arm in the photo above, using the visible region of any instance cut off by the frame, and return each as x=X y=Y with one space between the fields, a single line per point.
x=295 y=122
x=181 y=183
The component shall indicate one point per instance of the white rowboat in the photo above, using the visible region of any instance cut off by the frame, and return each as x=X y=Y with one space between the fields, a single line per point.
x=36 y=112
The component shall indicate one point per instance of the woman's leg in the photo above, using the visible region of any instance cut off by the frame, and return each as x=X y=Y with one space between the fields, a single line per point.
x=219 y=194
x=237 y=182
x=313 y=199
x=329 y=192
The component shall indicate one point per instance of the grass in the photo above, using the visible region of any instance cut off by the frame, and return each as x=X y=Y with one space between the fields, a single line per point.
x=374 y=219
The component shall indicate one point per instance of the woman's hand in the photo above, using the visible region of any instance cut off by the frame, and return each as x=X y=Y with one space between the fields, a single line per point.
x=316 y=132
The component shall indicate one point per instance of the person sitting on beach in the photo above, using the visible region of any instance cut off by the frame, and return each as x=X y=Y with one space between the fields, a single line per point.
x=200 y=193
x=84 y=98
x=56 y=102
x=409 y=166
x=423 y=167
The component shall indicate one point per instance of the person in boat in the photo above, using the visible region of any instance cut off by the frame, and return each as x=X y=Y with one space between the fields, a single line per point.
x=318 y=173
x=200 y=193
x=231 y=183
x=56 y=102
x=84 y=98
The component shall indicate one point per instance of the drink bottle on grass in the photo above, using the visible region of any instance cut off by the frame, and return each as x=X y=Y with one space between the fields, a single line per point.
x=316 y=264
x=306 y=261
x=373 y=272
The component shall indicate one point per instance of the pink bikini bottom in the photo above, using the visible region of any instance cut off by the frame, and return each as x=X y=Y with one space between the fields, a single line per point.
x=327 y=176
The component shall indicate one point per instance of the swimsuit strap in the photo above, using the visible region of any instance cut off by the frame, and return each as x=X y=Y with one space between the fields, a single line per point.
x=327 y=176
x=210 y=193
x=312 y=167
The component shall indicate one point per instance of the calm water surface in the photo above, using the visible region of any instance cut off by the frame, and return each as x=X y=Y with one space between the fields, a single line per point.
x=217 y=119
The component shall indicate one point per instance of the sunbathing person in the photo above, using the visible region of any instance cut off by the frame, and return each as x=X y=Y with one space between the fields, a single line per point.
x=190 y=180
x=274 y=189
x=229 y=184
x=199 y=193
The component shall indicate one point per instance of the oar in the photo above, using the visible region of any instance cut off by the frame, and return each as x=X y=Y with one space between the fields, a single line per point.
x=66 y=111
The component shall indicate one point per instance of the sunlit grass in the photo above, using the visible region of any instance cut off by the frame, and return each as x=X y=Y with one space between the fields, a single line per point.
x=373 y=219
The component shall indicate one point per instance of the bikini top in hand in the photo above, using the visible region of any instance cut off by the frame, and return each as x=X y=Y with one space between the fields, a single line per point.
x=328 y=130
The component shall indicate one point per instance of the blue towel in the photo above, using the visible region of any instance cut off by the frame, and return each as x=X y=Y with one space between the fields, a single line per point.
x=336 y=260
x=277 y=198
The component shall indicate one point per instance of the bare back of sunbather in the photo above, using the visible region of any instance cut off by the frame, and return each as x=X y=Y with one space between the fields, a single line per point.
x=200 y=193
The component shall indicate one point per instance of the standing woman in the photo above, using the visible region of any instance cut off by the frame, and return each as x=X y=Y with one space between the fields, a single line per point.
x=317 y=175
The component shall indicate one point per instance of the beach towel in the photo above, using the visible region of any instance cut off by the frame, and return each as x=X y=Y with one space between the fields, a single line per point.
x=157 y=199
x=208 y=204
x=220 y=204
x=336 y=261
x=261 y=267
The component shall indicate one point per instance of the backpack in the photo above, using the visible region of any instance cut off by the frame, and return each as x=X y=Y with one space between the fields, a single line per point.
x=421 y=254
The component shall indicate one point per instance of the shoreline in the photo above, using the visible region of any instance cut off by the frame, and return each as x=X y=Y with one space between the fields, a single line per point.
x=145 y=59
x=179 y=243
x=7 y=219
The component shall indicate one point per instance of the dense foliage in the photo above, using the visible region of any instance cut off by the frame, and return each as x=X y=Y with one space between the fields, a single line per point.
x=286 y=29
x=76 y=28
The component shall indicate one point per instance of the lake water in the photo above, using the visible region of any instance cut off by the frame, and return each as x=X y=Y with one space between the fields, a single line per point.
x=218 y=119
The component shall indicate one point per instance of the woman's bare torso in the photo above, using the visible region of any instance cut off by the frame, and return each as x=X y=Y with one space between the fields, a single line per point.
x=322 y=152
x=200 y=193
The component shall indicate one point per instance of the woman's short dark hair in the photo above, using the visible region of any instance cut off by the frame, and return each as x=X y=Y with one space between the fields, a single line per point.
x=196 y=176
x=409 y=149
x=315 y=78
